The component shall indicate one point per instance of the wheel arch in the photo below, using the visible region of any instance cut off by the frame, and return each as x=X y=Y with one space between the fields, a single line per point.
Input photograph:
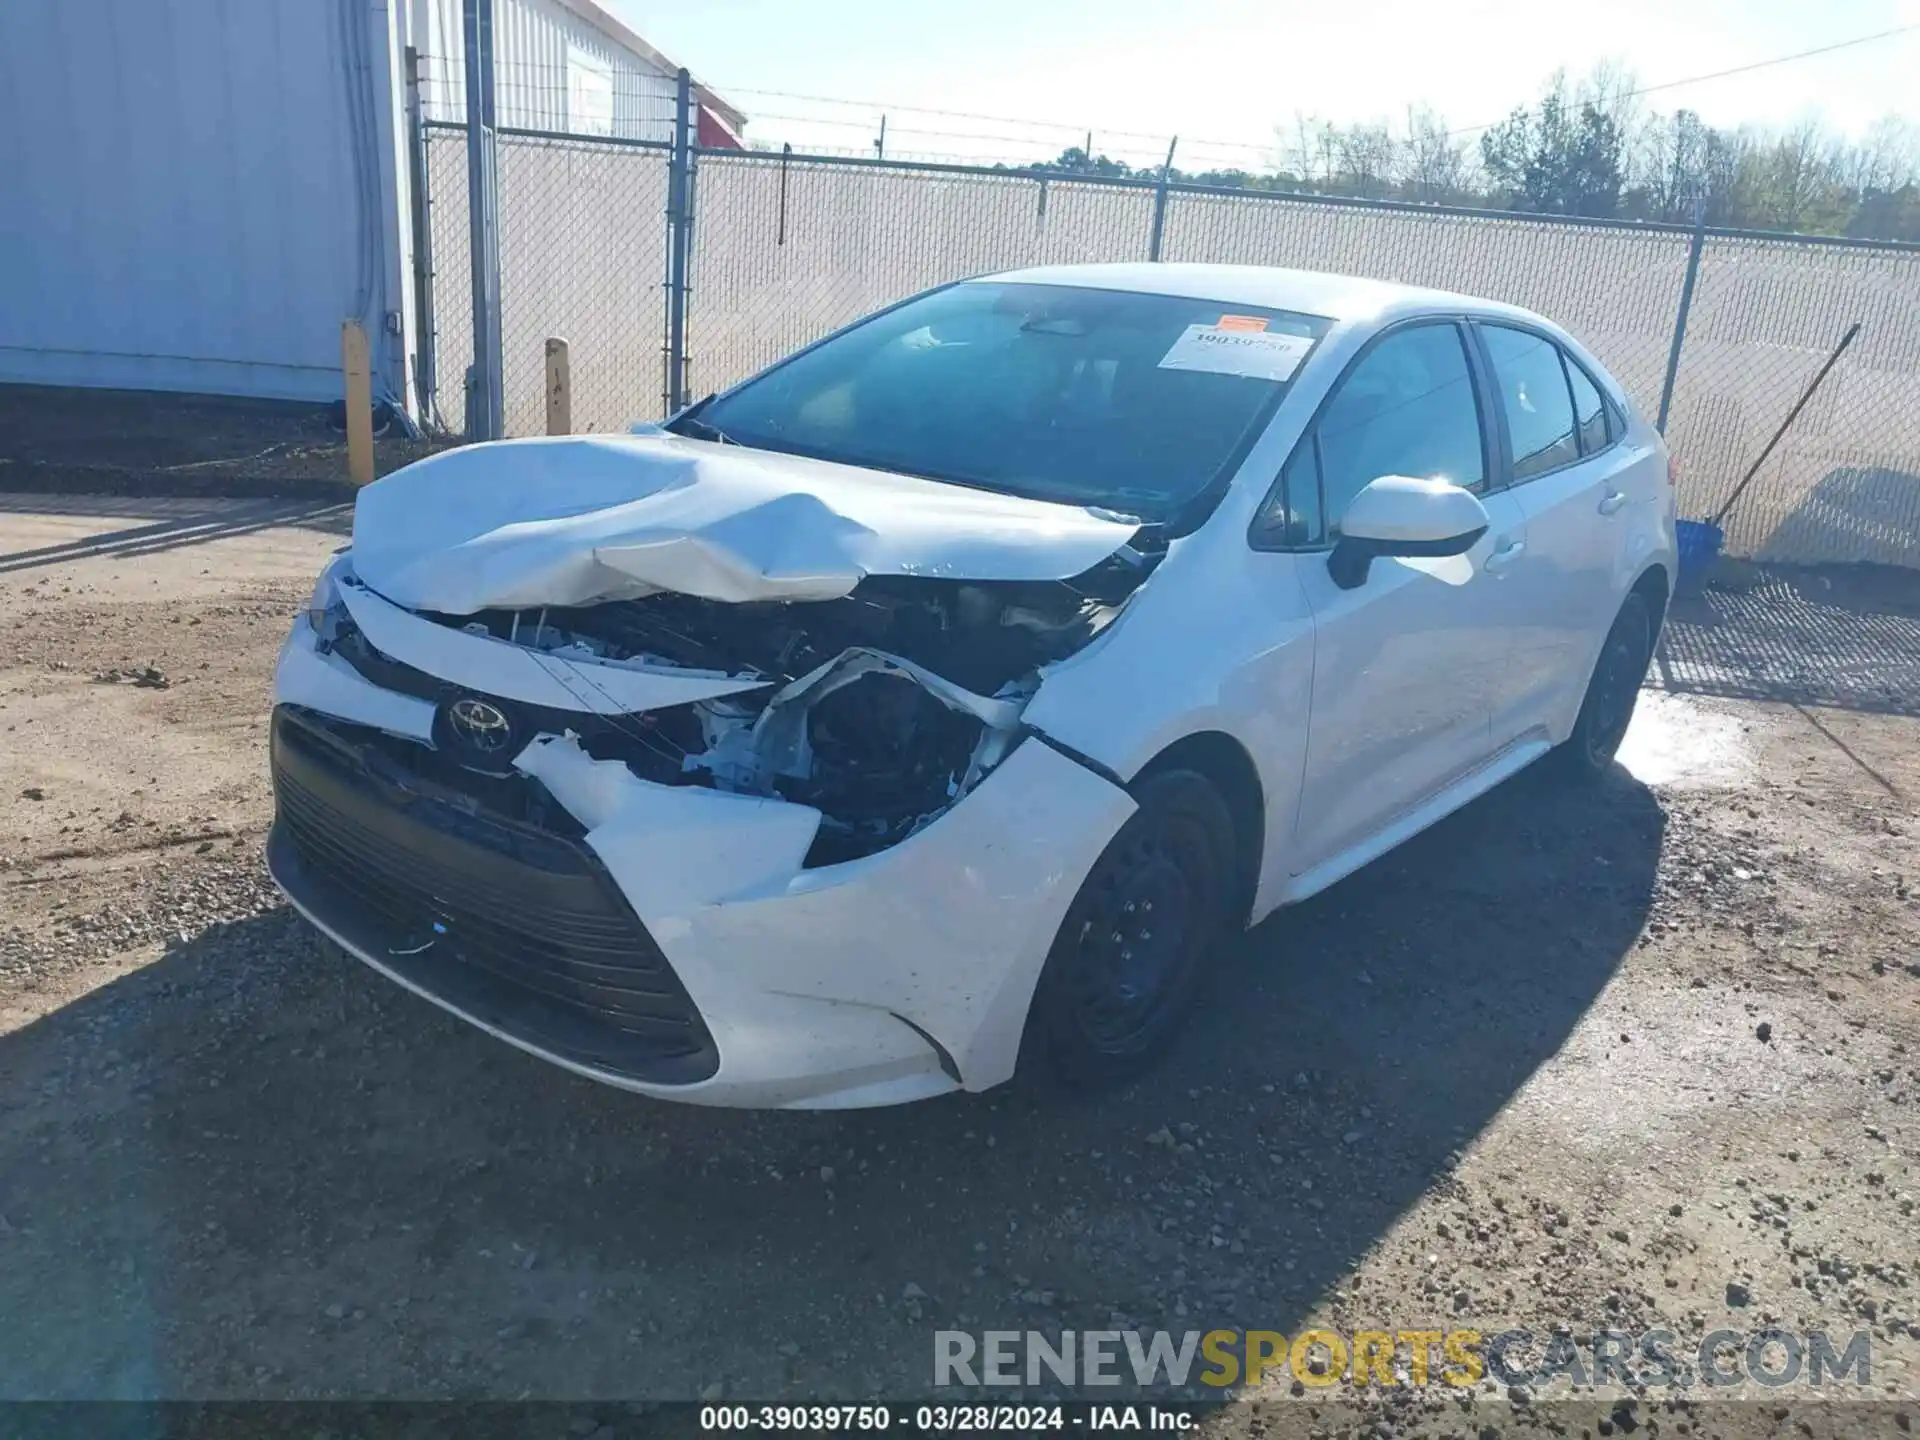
x=1654 y=586
x=1226 y=765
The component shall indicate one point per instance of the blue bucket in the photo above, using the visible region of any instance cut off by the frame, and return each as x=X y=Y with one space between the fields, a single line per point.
x=1699 y=542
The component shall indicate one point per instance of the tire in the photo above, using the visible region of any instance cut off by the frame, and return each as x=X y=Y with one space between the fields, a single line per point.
x=1607 y=708
x=1118 y=984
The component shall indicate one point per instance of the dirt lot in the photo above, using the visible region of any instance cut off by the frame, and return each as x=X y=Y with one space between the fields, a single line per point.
x=1646 y=1055
x=66 y=441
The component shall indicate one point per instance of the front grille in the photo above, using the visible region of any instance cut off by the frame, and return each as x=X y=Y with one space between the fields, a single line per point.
x=517 y=925
x=653 y=745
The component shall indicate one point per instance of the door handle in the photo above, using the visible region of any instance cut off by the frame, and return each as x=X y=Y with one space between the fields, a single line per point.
x=1613 y=500
x=1505 y=555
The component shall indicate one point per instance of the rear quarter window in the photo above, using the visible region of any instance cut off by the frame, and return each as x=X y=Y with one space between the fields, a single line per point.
x=1589 y=410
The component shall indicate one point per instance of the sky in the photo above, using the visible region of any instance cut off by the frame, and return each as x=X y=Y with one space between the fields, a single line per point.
x=1223 y=74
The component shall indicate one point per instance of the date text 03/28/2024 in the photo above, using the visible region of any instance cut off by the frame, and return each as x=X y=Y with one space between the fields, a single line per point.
x=946 y=1419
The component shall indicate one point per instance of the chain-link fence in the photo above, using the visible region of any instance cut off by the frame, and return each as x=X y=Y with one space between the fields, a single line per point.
x=786 y=251
x=1616 y=287
x=449 y=337
x=1844 y=483
x=786 y=248
x=582 y=250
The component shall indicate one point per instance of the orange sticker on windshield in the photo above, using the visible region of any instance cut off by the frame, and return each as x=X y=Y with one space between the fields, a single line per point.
x=1242 y=322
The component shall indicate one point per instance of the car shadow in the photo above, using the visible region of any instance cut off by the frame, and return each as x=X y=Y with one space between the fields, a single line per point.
x=255 y=1168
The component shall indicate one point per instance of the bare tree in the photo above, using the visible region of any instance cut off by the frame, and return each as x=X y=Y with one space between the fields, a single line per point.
x=1592 y=147
x=1434 y=164
x=1367 y=157
x=1885 y=159
x=1791 y=181
x=1312 y=151
x=1612 y=88
x=1682 y=162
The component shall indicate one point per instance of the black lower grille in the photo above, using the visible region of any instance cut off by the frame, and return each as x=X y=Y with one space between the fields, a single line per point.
x=519 y=926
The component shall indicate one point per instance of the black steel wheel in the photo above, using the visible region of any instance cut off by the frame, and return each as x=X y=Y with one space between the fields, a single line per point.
x=1607 y=709
x=1123 y=970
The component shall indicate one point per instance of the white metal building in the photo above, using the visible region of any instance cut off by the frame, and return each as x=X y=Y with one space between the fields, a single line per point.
x=566 y=66
x=195 y=193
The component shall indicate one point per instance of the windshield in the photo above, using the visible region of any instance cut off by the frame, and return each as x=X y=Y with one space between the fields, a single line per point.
x=1099 y=397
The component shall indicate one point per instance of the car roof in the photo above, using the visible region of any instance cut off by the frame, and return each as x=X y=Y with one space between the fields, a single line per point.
x=1309 y=292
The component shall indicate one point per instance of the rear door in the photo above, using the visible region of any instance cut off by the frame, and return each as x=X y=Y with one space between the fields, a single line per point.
x=1406 y=665
x=1564 y=468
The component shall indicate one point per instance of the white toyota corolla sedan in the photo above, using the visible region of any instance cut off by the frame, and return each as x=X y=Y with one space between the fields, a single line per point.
x=954 y=687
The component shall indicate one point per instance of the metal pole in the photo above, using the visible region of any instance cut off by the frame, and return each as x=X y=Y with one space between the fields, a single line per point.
x=1847 y=339
x=679 y=235
x=1160 y=204
x=880 y=145
x=426 y=382
x=691 y=247
x=486 y=402
x=1680 y=320
x=780 y=234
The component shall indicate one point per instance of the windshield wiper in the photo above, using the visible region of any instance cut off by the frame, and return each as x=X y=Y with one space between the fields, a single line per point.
x=689 y=424
x=695 y=428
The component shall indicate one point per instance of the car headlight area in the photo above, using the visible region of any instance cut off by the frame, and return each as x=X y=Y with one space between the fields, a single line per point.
x=678 y=939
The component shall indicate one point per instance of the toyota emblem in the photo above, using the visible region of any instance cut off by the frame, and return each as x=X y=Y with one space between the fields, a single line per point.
x=483 y=727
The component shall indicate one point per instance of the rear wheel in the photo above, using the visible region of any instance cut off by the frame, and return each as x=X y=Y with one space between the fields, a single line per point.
x=1123 y=970
x=1607 y=709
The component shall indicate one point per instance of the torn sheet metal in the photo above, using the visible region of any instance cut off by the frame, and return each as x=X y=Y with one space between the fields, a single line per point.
x=518 y=672
x=575 y=520
x=997 y=712
x=778 y=742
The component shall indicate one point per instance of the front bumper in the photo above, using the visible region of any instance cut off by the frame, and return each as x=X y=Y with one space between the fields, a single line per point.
x=895 y=977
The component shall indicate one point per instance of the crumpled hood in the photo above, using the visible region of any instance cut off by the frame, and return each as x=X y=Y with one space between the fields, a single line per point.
x=574 y=520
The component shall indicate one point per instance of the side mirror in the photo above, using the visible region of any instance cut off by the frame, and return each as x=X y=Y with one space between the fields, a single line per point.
x=1400 y=515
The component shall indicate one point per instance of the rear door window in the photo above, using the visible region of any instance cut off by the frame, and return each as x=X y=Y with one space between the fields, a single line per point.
x=1533 y=392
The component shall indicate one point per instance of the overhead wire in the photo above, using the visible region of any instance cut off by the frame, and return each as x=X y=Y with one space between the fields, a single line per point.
x=1734 y=70
x=1061 y=128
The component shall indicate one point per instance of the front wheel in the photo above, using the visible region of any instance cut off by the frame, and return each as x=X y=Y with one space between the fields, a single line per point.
x=1607 y=709
x=1123 y=970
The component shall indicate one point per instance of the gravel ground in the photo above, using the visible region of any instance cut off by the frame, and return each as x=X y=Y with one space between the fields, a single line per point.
x=1638 y=1056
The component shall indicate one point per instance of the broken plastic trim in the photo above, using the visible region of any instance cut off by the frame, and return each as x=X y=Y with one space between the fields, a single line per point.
x=780 y=738
x=909 y=757
x=877 y=711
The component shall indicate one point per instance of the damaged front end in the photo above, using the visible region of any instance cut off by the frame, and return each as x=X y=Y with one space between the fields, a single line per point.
x=698 y=769
x=879 y=709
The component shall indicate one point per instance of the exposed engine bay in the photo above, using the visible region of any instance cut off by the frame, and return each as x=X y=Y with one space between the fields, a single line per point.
x=880 y=708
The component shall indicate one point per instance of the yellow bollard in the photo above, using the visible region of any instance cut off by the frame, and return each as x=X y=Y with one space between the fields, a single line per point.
x=357 y=364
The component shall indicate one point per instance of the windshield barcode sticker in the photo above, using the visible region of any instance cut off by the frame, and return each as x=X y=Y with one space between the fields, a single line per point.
x=1224 y=350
